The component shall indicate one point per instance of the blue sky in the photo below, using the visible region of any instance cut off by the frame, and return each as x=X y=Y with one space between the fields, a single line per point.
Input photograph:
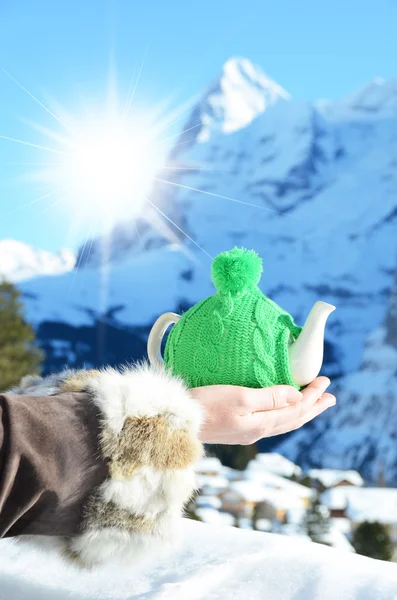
x=62 y=50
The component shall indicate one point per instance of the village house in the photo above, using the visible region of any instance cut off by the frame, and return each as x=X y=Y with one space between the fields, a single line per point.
x=253 y=500
x=335 y=499
x=267 y=497
x=277 y=464
x=241 y=498
x=332 y=478
x=363 y=504
x=374 y=504
x=257 y=473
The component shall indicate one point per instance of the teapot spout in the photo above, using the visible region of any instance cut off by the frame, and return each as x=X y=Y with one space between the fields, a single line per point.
x=307 y=352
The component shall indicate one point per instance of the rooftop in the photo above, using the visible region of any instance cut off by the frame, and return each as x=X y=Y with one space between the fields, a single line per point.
x=268 y=479
x=209 y=464
x=363 y=504
x=332 y=477
x=275 y=463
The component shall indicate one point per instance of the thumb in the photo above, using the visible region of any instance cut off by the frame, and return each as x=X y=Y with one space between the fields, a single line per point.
x=272 y=398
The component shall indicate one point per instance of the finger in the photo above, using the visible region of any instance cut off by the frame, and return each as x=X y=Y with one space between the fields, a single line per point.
x=271 y=398
x=326 y=401
x=313 y=392
x=310 y=395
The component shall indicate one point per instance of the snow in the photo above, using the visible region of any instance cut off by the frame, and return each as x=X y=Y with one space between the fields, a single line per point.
x=77 y=297
x=337 y=539
x=214 y=517
x=209 y=464
x=331 y=477
x=363 y=504
x=248 y=490
x=256 y=473
x=377 y=95
x=344 y=525
x=276 y=463
x=231 y=474
x=263 y=525
x=282 y=499
x=214 y=563
x=241 y=92
x=373 y=504
x=19 y=261
x=212 y=482
x=336 y=498
x=208 y=502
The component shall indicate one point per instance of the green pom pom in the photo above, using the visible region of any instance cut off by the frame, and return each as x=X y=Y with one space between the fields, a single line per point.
x=236 y=270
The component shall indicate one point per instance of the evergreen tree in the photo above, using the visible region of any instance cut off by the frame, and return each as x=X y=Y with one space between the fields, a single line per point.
x=373 y=540
x=18 y=355
x=236 y=457
x=316 y=522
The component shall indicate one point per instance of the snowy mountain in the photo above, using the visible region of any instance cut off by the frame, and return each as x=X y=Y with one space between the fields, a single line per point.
x=18 y=261
x=235 y=99
x=362 y=432
x=312 y=187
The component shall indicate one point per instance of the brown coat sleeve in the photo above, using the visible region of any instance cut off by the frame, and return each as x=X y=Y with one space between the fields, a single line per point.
x=50 y=462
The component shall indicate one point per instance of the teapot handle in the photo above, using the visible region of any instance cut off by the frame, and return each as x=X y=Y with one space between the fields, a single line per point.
x=156 y=336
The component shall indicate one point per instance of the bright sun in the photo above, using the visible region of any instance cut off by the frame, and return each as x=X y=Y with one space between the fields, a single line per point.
x=101 y=163
x=109 y=167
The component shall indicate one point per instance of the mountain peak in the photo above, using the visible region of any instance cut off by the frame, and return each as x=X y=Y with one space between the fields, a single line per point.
x=377 y=95
x=240 y=93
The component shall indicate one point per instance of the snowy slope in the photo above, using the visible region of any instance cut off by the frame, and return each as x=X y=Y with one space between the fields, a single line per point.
x=362 y=432
x=18 y=261
x=311 y=187
x=239 y=565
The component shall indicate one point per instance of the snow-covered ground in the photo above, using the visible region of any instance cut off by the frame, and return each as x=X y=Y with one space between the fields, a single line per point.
x=214 y=563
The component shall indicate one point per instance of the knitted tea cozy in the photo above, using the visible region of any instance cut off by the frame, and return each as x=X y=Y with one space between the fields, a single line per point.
x=236 y=337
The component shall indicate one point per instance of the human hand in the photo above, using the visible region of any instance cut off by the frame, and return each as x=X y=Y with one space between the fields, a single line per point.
x=240 y=415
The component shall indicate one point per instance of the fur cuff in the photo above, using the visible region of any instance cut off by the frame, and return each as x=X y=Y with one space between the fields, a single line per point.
x=149 y=437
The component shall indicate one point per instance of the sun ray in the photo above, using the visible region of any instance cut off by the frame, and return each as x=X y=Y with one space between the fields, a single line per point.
x=136 y=84
x=137 y=230
x=182 y=143
x=180 y=133
x=180 y=116
x=49 y=133
x=129 y=92
x=192 y=189
x=77 y=265
x=89 y=248
x=9 y=139
x=32 y=202
x=34 y=98
x=192 y=168
x=50 y=206
x=179 y=228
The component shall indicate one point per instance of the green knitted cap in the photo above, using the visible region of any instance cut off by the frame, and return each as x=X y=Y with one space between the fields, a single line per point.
x=236 y=337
